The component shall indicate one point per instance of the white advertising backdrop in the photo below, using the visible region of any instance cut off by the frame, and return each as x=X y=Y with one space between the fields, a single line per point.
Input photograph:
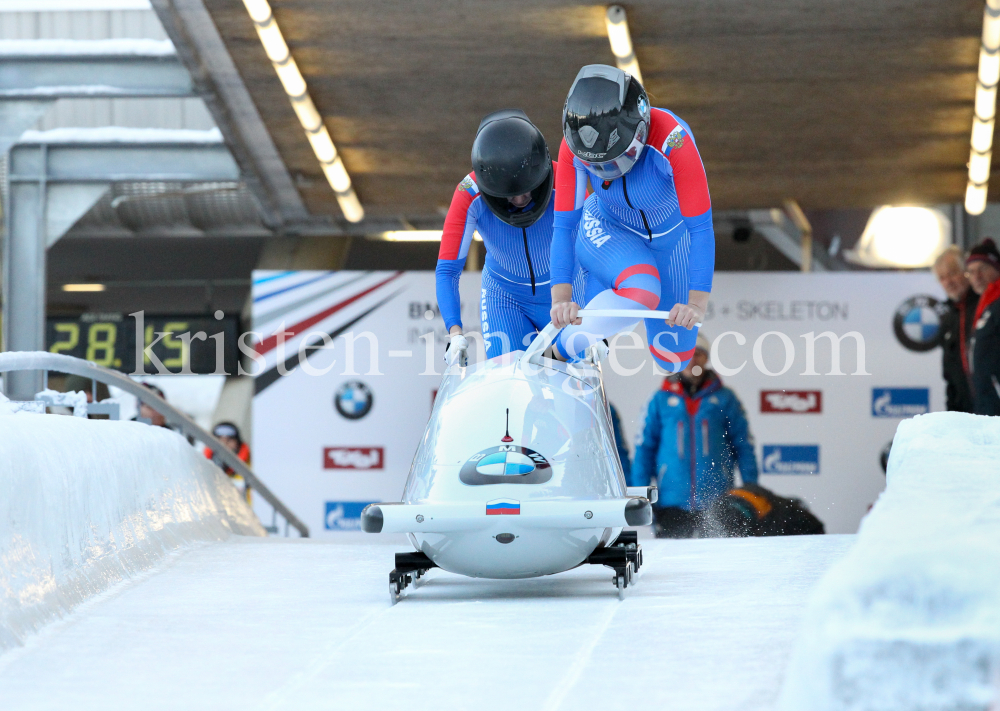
x=340 y=431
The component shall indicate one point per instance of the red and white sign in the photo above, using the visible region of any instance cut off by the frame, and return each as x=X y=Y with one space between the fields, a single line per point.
x=791 y=401
x=353 y=457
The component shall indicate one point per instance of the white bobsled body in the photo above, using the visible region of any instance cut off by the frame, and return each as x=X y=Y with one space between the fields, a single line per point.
x=517 y=474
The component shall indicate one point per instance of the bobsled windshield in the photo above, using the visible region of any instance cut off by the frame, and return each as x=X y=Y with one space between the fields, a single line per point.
x=542 y=433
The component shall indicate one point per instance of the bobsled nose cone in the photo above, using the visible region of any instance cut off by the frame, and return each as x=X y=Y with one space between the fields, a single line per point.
x=372 y=519
x=638 y=512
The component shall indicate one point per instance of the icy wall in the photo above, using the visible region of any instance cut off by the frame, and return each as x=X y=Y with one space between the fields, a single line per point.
x=85 y=504
x=910 y=618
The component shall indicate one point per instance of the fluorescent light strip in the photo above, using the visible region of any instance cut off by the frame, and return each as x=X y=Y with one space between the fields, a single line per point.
x=981 y=153
x=416 y=236
x=83 y=287
x=297 y=90
x=621 y=41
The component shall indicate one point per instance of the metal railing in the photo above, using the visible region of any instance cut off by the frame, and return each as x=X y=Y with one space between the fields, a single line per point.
x=38 y=360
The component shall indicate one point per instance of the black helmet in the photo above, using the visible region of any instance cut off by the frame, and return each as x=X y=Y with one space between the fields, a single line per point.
x=606 y=120
x=510 y=158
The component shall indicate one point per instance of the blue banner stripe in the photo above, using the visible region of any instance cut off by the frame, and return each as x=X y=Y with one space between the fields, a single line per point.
x=307 y=282
x=264 y=280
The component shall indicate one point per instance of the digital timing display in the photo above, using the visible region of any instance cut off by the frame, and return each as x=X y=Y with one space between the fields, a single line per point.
x=176 y=344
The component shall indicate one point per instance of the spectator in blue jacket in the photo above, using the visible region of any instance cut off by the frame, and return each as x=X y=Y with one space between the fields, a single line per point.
x=694 y=437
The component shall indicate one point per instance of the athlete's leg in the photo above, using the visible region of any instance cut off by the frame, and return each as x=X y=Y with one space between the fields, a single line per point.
x=672 y=346
x=505 y=325
x=621 y=274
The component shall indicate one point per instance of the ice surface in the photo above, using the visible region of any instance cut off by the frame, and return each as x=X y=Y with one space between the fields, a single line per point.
x=304 y=624
x=122 y=134
x=910 y=618
x=105 y=47
x=86 y=504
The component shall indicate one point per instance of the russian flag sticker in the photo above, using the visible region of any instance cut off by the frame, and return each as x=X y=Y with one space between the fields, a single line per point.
x=503 y=507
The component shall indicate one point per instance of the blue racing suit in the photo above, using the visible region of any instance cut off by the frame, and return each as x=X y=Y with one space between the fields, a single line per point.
x=644 y=240
x=516 y=298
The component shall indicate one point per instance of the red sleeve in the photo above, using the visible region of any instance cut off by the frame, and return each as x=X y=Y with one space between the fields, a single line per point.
x=690 y=179
x=454 y=223
x=665 y=133
x=565 y=180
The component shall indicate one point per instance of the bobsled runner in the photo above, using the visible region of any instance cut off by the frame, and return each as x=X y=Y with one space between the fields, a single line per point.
x=517 y=476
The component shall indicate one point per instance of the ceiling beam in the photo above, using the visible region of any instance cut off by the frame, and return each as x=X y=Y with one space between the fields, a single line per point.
x=50 y=69
x=204 y=54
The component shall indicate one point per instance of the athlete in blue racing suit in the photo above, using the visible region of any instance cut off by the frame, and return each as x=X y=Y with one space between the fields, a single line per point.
x=644 y=237
x=507 y=200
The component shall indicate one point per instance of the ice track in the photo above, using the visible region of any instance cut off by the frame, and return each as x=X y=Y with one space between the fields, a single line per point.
x=301 y=624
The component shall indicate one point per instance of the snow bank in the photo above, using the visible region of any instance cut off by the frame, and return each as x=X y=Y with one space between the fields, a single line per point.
x=85 y=504
x=910 y=618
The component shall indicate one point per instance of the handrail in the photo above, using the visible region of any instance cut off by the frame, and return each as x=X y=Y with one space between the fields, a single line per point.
x=40 y=360
x=548 y=334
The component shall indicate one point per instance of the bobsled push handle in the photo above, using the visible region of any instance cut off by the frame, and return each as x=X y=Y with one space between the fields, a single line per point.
x=548 y=334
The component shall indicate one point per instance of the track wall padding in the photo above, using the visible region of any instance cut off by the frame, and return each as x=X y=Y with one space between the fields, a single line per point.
x=86 y=504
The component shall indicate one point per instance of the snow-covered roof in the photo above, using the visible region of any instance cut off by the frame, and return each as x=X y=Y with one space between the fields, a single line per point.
x=99 y=90
x=66 y=5
x=121 y=134
x=78 y=48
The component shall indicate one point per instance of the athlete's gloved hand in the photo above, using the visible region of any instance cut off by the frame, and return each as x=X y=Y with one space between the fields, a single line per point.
x=457 y=350
x=686 y=315
x=564 y=313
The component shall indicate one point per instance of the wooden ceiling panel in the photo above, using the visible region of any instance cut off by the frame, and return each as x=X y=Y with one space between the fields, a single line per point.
x=841 y=103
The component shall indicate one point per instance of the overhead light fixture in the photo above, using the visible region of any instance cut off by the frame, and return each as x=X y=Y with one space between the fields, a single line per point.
x=297 y=90
x=621 y=41
x=415 y=236
x=902 y=237
x=83 y=287
x=981 y=153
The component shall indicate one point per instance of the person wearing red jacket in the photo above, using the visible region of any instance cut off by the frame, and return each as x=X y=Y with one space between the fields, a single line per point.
x=983 y=270
x=229 y=435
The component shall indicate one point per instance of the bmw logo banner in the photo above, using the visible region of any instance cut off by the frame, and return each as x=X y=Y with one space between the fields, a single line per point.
x=826 y=366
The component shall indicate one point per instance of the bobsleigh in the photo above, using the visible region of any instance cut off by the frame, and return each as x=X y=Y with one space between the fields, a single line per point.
x=517 y=476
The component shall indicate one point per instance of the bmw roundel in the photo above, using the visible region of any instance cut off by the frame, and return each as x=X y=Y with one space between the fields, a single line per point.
x=917 y=323
x=506 y=464
x=353 y=400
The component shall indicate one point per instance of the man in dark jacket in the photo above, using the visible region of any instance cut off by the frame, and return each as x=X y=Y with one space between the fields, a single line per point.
x=983 y=269
x=694 y=437
x=957 y=324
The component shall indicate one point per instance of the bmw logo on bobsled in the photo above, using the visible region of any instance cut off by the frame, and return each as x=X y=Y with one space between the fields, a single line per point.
x=516 y=476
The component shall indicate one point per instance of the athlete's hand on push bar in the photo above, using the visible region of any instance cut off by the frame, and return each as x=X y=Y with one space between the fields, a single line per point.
x=686 y=315
x=564 y=313
x=564 y=310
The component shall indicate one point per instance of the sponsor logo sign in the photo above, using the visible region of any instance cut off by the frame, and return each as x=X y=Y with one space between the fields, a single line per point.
x=344 y=515
x=791 y=459
x=900 y=402
x=353 y=457
x=917 y=323
x=503 y=507
x=794 y=401
x=353 y=400
x=506 y=464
